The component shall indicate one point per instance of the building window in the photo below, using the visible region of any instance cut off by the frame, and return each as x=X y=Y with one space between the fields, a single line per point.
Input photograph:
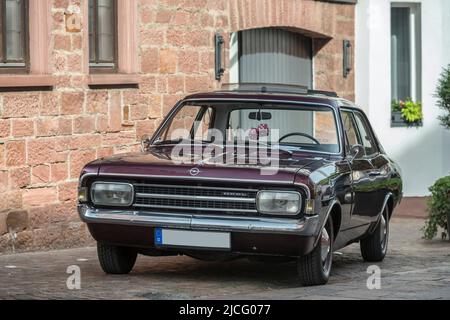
x=103 y=35
x=406 y=53
x=14 y=36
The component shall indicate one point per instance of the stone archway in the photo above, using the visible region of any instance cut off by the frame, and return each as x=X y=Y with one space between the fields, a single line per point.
x=328 y=24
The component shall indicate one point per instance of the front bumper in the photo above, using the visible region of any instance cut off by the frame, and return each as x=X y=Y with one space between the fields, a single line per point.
x=250 y=235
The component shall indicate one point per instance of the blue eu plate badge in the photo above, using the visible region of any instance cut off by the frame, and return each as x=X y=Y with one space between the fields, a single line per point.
x=158 y=236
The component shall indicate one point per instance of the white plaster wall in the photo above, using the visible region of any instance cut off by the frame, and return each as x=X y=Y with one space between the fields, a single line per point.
x=423 y=153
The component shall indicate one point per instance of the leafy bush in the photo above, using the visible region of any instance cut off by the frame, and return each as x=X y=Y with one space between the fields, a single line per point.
x=443 y=95
x=438 y=207
x=411 y=111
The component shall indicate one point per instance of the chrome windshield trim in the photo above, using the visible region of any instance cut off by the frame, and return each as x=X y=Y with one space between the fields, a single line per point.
x=187 y=197
x=340 y=134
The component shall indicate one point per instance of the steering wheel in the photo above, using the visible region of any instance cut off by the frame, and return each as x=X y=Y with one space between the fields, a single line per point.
x=299 y=134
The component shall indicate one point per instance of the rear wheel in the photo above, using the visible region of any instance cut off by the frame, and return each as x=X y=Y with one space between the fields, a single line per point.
x=314 y=268
x=116 y=260
x=374 y=247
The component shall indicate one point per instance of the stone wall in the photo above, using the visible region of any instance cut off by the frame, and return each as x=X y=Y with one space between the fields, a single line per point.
x=47 y=136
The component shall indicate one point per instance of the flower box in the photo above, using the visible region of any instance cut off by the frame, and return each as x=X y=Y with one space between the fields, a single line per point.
x=397 y=120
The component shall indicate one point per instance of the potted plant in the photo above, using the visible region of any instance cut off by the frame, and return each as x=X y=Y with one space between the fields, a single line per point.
x=406 y=113
x=439 y=209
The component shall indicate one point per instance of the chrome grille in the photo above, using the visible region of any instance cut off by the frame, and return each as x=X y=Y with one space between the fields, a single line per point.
x=202 y=199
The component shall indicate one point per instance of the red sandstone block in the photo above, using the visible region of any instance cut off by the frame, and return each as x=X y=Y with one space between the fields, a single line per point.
x=15 y=153
x=150 y=60
x=22 y=127
x=39 y=196
x=58 y=172
x=146 y=127
x=148 y=84
x=167 y=61
x=41 y=151
x=67 y=191
x=152 y=37
x=17 y=105
x=5 y=128
x=2 y=155
x=97 y=102
x=197 y=83
x=84 y=124
x=40 y=174
x=78 y=159
x=176 y=84
x=62 y=42
x=3 y=181
x=72 y=102
x=115 y=112
x=19 y=178
x=11 y=200
x=105 y=152
x=188 y=61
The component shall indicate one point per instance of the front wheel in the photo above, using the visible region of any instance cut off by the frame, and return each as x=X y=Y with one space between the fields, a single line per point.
x=314 y=268
x=374 y=247
x=116 y=260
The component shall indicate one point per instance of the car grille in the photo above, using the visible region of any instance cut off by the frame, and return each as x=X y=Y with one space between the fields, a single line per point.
x=202 y=199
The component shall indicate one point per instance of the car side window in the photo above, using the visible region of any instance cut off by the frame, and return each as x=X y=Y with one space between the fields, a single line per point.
x=350 y=128
x=366 y=136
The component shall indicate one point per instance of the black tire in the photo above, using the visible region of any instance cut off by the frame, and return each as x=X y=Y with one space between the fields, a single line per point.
x=312 y=269
x=374 y=246
x=116 y=260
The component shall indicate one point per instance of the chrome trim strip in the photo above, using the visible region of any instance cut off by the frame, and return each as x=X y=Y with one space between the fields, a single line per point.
x=386 y=199
x=193 y=178
x=305 y=226
x=193 y=187
x=322 y=224
x=192 y=208
x=186 y=197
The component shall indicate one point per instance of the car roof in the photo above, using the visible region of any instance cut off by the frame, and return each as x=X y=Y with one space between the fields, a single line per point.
x=277 y=93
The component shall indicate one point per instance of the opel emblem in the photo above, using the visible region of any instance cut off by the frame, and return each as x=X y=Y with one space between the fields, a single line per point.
x=194 y=171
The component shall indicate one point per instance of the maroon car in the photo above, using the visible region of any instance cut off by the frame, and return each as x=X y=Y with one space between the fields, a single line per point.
x=265 y=172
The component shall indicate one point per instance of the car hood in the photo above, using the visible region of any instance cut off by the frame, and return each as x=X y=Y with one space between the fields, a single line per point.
x=158 y=162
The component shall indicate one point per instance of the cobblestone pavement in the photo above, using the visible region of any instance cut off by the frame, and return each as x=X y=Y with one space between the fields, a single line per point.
x=413 y=269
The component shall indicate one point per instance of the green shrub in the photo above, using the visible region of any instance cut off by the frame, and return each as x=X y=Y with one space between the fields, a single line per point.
x=438 y=207
x=443 y=95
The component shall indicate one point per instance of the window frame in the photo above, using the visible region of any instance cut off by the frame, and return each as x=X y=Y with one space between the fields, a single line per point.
x=415 y=49
x=369 y=131
x=96 y=67
x=4 y=68
x=358 y=136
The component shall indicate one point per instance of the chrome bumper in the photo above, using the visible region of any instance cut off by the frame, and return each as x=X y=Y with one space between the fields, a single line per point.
x=307 y=226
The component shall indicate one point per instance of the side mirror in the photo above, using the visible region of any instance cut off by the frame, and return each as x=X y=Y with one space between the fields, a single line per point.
x=357 y=151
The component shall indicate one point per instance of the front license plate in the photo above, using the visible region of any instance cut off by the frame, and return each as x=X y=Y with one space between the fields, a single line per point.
x=195 y=239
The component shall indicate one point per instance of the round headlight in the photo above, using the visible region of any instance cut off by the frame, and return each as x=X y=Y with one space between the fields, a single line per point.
x=112 y=194
x=279 y=202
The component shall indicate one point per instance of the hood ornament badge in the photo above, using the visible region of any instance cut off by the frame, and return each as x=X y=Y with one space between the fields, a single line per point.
x=194 y=172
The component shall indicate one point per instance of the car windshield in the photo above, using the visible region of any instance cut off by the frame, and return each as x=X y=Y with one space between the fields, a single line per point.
x=297 y=127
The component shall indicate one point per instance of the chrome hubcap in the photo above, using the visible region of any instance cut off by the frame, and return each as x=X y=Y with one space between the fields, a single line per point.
x=384 y=232
x=325 y=245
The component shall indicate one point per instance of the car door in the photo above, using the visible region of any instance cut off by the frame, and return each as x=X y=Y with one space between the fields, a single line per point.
x=364 y=192
x=379 y=176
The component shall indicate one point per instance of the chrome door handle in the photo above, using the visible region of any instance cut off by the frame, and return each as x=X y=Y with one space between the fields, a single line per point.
x=374 y=173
